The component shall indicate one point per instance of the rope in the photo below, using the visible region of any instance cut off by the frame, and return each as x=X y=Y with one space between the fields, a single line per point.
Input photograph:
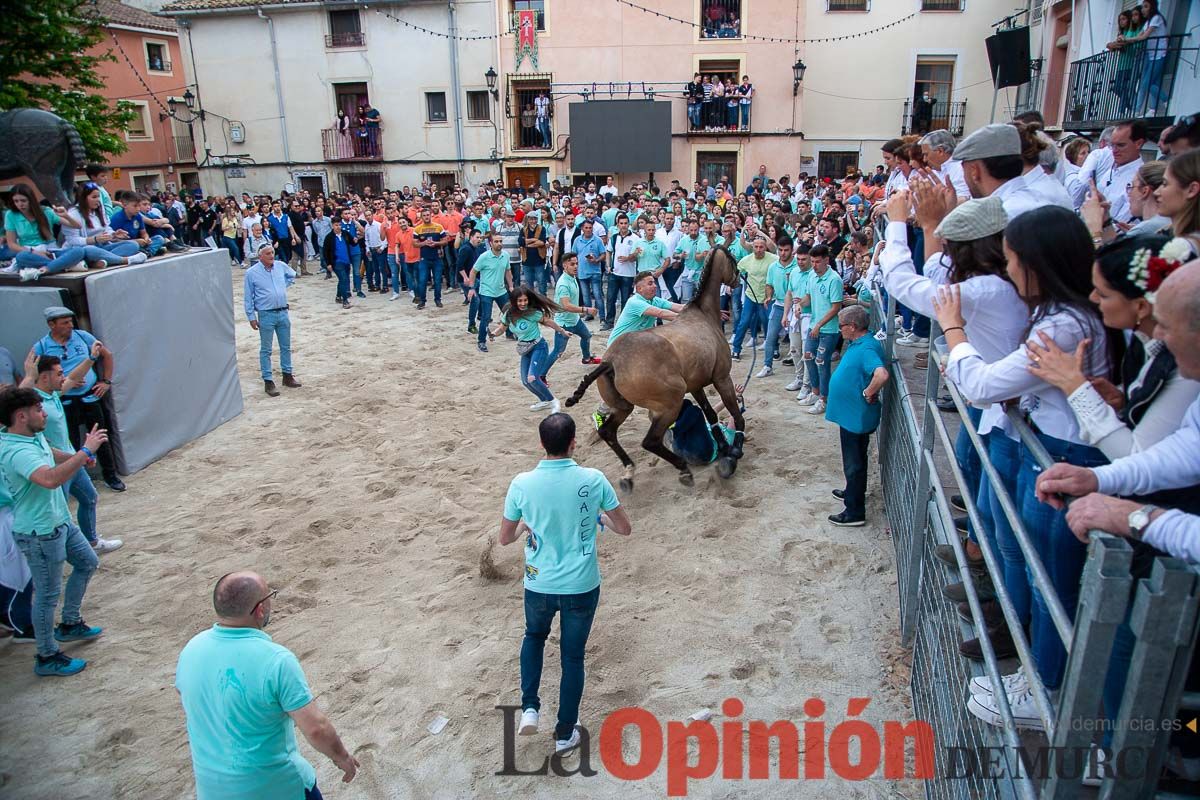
x=753 y=349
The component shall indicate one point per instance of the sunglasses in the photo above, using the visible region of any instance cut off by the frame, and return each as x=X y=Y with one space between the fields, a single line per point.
x=265 y=599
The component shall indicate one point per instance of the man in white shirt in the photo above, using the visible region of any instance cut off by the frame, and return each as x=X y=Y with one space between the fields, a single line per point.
x=938 y=147
x=541 y=108
x=624 y=268
x=992 y=166
x=608 y=189
x=1098 y=162
x=1127 y=141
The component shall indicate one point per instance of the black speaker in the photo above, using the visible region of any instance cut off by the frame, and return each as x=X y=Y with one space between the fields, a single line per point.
x=1008 y=57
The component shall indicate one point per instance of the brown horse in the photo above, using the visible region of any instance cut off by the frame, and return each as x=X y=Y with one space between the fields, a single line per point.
x=655 y=368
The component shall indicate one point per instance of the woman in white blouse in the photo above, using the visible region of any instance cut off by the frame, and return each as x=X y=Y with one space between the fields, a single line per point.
x=100 y=243
x=1049 y=259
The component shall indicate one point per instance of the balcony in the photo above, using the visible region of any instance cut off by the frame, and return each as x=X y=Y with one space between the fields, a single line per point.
x=1135 y=82
x=158 y=65
x=951 y=119
x=941 y=5
x=715 y=118
x=350 y=39
x=353 y=144
x=185 y=148
x=848 y=5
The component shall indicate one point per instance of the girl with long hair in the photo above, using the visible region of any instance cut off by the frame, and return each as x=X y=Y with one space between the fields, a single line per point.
x=1178 y=197
x=29 y=234
x=1143 y=204
x=1048 y=253
x=231 y=231
x=100 y=243
x=527 y=312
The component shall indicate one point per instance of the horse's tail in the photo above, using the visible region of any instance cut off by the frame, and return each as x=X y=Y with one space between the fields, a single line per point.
x=587 y=381
x=76 y=144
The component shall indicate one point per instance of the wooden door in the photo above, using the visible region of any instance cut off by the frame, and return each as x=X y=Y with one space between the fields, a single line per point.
x=530 y=177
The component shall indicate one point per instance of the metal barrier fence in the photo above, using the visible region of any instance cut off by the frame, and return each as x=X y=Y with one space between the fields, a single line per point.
x=1160 y=610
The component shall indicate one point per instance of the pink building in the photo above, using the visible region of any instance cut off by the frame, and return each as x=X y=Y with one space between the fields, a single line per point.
x=615 y=51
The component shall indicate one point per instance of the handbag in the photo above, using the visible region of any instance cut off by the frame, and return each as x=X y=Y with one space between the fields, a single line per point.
x=524 y=347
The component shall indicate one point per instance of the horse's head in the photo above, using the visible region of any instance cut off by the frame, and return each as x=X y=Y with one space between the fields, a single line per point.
x=723 y=266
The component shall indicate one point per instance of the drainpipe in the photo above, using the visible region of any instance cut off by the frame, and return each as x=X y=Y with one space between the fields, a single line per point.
x=287 y=153
x=456 y=89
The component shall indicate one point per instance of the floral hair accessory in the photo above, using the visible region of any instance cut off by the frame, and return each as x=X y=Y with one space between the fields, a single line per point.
x=1148 y=271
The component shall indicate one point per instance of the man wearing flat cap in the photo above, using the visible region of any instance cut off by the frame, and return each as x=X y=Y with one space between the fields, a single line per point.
x=992 y=167
x=83 y=403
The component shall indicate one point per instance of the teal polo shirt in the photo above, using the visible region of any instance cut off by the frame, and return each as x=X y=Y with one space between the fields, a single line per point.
x=798 y=283
x=527 y=327
x=694 y=252
x=633 y=316
x=567 y=289
x=35 y=509
x=56 y=422
x=237 y=688
x=560 y=501
x=654 y=252
x=491 y=269
x=779 y=278
x=847 y=407
x=824 y=291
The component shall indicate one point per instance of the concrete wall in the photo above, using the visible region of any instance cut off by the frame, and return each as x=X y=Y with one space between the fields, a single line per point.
x=237 y=81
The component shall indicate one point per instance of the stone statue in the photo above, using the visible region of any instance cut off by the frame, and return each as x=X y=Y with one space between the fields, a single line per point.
x=43 y=147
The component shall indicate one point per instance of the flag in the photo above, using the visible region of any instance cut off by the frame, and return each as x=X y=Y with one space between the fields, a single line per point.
x=526 y=38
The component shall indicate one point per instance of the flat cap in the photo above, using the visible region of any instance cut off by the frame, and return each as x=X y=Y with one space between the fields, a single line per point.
x=57 y=312
x=989 y=141
x=974 y=219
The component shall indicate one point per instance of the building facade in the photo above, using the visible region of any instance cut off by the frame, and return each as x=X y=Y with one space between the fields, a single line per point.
x=160 y=154
x=272 y=78
x=859 y=93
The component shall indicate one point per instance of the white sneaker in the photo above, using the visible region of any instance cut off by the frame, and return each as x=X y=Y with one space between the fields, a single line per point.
x=540 y=405
x=881 y=336
x=730 y=340
x=107 y=545
x=529 y=722
x=765 y=372
x=138 y=258
x=1024 y=710
x=555 y=406
x=563 y=745
x=794 y=386
x=818 y=408
x=807 y=398
x=30 y=274
x=10 y=268
x=1013 y=684
x=395 y=295
x=914 y=341
x=82 y=266
x=1096 y=769
x=904 y=338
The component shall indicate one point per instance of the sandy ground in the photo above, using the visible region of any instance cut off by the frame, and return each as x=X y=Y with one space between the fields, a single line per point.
x=367 y=498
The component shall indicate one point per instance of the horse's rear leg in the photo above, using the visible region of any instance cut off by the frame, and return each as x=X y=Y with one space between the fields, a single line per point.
x=727 y=464
x=654 y=443
x=608 y=432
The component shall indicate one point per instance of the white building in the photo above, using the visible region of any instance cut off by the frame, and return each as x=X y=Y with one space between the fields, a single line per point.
x=859 y=93
x=271 y=76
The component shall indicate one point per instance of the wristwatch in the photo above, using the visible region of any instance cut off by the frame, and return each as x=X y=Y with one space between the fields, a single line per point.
x=1140 y=520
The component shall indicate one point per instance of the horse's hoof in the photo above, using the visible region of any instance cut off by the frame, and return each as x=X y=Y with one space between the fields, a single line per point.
x=726 y=467
x=686 y=479
x=626 y=485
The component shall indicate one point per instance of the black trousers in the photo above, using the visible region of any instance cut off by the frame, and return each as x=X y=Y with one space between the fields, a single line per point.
x=86 y=415
x=854 y=464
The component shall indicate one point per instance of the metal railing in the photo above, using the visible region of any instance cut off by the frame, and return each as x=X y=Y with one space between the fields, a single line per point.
x=1134 y=82
x=848 y=5
x=348 y=39
x=158 y=65
x=185 y=148
x=358 y=143
x=941 y=5
x=952 y=118
x=1161 y=612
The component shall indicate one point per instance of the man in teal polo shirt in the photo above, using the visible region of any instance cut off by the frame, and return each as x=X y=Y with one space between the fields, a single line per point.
x=558 y=505
x=644 y=307
x=495 y=282
x=42 y=529
x=825 y=294
x=778 y=281
x=243 y=694
x=854 y=408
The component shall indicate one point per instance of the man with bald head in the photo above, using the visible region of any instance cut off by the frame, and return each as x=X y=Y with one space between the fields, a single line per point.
x=1172 y=463
x=243 y=694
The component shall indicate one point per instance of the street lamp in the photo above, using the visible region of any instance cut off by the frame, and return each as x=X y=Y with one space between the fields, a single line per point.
x=189 y=102
x=797 y=75
x=491 y=76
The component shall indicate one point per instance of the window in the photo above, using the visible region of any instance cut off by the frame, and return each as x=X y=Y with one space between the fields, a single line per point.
x=716 y=165
x=721 y=19
x=531 y=130
x=849 y=5
x=435 y=106
x=358 y=182
x=479 y=107
x=442 y=180
x=139 y=126
x=538 y=7
x=156 y=57
x=945 y=5
x=834 y=164
x=936 y=76
x=345 y=29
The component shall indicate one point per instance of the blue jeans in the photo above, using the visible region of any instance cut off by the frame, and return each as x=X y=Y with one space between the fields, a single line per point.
x=342 y=270
x=425 y=268
x=45 y=555
x=395 y=267
x=968 y=460
x=356 y=269
x=84 y=491
x=231 y=244
x=472 y=304
x=560 y=344
x=1150 y=94
x=745 y=115
x=620 y=289
x=591 y=292
x=275 y=323
x=576 y=612
x=752 y=313
x=774 y=326
x=156 y=246
x=687 y=290
x=534 y=275
x=485 y=312
x=1062 y=554
x=533 y=365
x=693 y=111
x=1005 y=455
x=817 y=352
x=377 y=268
x=57 y=261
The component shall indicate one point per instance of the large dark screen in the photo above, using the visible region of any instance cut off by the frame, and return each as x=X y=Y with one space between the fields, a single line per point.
x=621 y=136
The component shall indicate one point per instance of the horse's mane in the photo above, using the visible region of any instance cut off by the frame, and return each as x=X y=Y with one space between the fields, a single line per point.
x=706 y=273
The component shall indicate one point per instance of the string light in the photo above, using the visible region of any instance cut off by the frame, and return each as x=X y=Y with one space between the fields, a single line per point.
x=137 y=74
x=778 y=40
x=439 y=34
